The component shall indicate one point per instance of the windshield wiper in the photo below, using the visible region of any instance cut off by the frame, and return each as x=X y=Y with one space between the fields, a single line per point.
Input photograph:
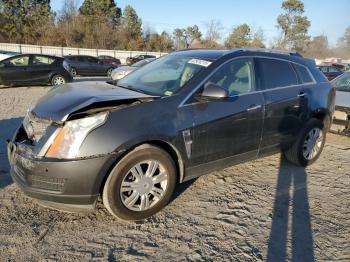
x=133 y=89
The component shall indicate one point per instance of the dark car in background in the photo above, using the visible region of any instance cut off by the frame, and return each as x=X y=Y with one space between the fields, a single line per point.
x=109 y=60
x=183 y=115
x=330 y=71
x=89 y=66
x=32 y=69
x=123 y=71
x=132 y=60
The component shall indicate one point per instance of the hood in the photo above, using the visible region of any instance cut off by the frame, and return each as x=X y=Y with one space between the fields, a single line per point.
x=59 y=103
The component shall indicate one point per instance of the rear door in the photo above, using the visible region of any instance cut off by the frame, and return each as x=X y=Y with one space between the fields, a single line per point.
x=230 y=127
x=82 y=65
x=40 y=68
x=286 y=102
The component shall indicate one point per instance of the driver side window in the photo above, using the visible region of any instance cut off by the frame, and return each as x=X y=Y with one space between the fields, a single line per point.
x=237 y=77
x=19 y=61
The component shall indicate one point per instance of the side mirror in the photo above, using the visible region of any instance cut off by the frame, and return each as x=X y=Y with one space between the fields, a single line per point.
x=214 y=92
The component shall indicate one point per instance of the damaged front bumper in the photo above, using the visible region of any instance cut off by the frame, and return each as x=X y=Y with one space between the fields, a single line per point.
x=68 y=185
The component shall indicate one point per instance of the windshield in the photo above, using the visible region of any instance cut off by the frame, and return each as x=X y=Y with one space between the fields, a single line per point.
x=164 y=76
x=342 y=83
x=143 y=62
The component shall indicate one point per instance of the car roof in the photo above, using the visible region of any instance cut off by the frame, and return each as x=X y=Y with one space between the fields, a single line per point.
x=19 y=55
x=214 y=54
x=210 y=54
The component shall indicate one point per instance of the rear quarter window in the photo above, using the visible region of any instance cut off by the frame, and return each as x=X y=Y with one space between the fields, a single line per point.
x=303 y=74
x=275 y=73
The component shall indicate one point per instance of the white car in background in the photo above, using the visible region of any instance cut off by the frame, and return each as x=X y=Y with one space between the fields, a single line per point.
x=123 y=71
x=342 y=103
x=6 y=54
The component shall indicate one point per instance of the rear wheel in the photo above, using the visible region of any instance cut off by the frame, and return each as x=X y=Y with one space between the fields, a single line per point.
x=57 y=80
x=141 y=184
x=309 y=145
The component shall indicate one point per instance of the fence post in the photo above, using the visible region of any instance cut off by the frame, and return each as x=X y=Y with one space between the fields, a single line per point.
x=96 y=52
x=41 y=50
x=78 y=51
x=62 y=51
x=20 y=48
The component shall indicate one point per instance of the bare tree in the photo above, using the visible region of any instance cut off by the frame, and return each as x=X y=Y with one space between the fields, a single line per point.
x=214 y=33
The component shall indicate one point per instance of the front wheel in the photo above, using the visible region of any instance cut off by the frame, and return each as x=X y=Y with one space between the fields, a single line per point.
x=141 y=184
x=73 y=72
x=309 y=144
x=109 y=72
x=57 y=80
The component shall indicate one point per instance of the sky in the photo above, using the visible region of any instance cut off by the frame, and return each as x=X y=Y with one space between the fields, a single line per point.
x=327 y=17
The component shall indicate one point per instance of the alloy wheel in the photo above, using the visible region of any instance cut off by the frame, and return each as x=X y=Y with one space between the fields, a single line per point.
x=312 y=143
x=109 y=72
x=144 y=185
x=58 y=80
x=73 y=72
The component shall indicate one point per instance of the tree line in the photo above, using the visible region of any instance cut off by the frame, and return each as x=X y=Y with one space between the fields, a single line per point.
x=102 y=24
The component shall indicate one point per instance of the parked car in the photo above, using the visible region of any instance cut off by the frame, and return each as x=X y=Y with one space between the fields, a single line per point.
x=132 y=60
x=342 y=101
x=184 y=115
x=330 y=71
x=109 y=60
x=6 y=54
x=88 y=66
x=32 y=69
x=123 y=71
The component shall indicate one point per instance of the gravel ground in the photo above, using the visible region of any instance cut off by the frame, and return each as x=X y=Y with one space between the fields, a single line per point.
x=262 y=210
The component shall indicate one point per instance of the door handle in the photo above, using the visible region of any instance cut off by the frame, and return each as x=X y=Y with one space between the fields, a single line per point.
x=253 y=107
x=302 y=94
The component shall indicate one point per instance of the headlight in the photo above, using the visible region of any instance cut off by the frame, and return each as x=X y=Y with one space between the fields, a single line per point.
x=67 y=140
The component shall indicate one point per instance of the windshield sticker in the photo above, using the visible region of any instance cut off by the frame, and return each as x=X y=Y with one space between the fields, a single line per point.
x=200 y=62
x=168 y=93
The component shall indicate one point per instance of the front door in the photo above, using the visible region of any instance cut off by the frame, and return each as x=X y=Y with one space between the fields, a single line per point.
x=229 y=128
x=40 y=69
x=14 y=70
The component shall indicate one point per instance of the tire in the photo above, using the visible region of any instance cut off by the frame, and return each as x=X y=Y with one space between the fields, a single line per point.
x=73 y=72
x=57 y=80
x=109 y=72
x=117 y=201
x=298 y=153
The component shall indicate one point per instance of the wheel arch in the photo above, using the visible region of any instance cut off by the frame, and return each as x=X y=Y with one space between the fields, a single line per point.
x=166 y=146
x=324 y=116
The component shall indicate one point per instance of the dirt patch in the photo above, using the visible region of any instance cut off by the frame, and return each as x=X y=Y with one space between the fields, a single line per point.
x=262 y=210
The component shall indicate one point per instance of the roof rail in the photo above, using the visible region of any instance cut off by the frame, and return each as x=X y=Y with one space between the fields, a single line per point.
x=267 y=50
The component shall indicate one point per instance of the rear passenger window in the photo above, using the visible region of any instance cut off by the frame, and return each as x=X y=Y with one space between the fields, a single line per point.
x=42 y=60
x=276 y=73
x=303 y=74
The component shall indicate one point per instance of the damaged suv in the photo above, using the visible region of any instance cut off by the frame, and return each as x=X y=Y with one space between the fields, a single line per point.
x=179 y=117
